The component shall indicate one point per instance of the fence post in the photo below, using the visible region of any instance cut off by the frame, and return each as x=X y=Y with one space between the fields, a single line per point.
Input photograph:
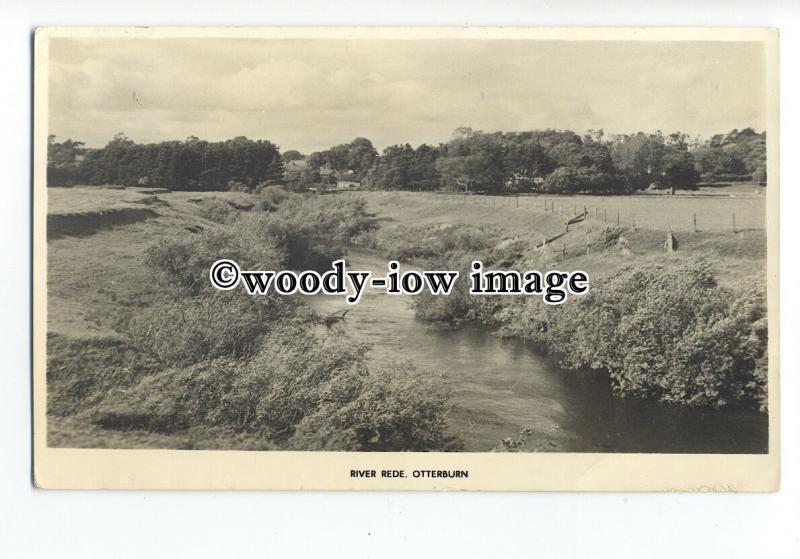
x=694 y=222
x=595 y=214
x=634 y=223
x=617 y=218
x=733 y=222
x=516 y=197
x=605 y=215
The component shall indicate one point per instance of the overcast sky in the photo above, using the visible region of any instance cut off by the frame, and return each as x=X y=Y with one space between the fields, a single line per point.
x=309 y=95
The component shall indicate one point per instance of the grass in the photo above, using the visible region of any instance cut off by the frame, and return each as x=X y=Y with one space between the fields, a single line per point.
x=711 y=208
x=737 y=256
x=142 y=349
x=97 y=277
x=95 y=283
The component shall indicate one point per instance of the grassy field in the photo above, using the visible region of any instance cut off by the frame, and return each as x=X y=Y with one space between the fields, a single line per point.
x=97 y=277
x=709 y=209
x=78 y=304
x=738 y=256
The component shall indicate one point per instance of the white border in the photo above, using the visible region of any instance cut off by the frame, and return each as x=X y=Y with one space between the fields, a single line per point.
x=99 y=524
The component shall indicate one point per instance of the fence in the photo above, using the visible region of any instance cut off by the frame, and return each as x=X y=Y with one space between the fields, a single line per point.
x=715 y=213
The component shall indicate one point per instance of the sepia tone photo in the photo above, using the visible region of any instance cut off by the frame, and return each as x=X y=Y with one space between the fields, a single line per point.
x=644 y=161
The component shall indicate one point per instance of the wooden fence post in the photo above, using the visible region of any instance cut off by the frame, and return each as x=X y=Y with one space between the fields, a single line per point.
x=694 y=222
x=617 y=218
x=733 y=222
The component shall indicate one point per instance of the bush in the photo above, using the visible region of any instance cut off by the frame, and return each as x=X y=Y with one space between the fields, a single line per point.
x=667 y=333
x=397 y=409
x=171 y=400
x=306 y=231
x=183 y=259
x=219 y=211
x=213 y=324
x=273 y=195
x=80 y=372
x=301 y=391
x=432 y=242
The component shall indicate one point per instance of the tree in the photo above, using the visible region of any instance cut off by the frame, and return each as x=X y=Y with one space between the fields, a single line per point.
x=360 y=156
x=292 y=155
x=563 y=180
x=638 y=157
x=677 y=169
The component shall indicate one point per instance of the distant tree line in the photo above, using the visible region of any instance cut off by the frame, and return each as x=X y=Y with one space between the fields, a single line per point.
x=192 y=164
x=556 y=161
x=553 y=161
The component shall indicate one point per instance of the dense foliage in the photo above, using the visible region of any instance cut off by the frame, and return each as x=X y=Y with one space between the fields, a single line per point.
x=262 y=367
x=661 y=330
x=555 y=161
x=664 y=332
x=192 y=164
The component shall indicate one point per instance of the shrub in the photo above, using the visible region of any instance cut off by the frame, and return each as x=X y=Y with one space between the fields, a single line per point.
x=217 y=210
x=274 y=195
x=668 y=333
x=432 y=241
x=397 y=409
x=182 y=260
x=212 y=324
x=300 y=391
x=80 y=372
x=170 y=401
x=306 y=231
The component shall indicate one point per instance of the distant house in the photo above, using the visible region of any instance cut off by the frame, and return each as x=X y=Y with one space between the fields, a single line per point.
x=519 y=179
x=347 y=185
x=346 y=180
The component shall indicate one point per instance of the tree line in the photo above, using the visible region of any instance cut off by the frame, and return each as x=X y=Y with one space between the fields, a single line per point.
x=192 y=164
x=554 y=161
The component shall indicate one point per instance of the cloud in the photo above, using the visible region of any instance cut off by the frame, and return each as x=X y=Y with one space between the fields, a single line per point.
x=311 y=94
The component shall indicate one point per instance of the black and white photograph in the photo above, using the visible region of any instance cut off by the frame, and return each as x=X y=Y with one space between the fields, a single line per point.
x=454 y=244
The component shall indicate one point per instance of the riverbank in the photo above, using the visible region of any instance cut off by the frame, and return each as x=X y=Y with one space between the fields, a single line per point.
x=143 y=353
x=503 y=386
x=685 y=325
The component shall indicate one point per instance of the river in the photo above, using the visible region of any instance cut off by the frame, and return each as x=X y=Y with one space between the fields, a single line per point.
x=503 y=386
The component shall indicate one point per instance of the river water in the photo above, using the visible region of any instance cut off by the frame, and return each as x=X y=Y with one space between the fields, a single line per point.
x=501 y=387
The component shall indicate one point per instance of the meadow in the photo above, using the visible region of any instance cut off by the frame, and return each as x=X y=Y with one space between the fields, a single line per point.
x=139 y=357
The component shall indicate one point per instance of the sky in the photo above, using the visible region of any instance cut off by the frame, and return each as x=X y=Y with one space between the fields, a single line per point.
x=311 y=94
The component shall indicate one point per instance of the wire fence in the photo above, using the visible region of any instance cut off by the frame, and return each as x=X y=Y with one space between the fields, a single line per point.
x=684 y=213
